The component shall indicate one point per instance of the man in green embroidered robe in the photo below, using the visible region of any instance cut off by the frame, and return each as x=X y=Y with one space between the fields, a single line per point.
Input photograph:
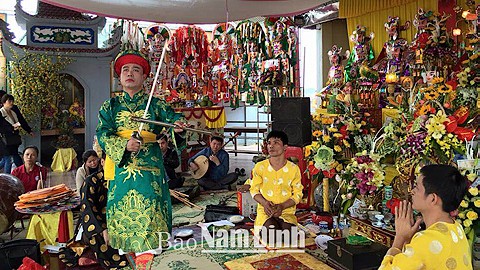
x=139 y=206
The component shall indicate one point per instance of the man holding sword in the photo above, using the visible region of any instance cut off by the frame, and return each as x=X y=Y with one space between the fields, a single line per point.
x=138 y=206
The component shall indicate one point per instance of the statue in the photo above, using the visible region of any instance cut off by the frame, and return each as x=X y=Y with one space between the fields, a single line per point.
x=362 y=52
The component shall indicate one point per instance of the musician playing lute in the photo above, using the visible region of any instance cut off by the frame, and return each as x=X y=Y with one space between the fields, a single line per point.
x=217 y=176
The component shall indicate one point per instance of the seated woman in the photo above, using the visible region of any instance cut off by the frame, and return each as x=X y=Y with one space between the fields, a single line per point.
x=90 y=165
x=93 y=220
x=443 y=245
x=31 y=174
x=276 y=186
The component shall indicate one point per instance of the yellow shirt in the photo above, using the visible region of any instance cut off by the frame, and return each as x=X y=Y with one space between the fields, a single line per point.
x=277 y=187
x=441 y=246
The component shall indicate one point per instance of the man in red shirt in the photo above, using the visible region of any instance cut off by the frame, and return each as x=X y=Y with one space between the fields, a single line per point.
x=31 y=175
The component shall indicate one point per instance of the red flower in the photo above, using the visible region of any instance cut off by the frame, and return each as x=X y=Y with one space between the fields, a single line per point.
x=464 y=133
x=450 y=124
x=343 y=131
x=461 y=114
x=312 y=169
x=453 y=84
x=392 y=203
x=329 y=174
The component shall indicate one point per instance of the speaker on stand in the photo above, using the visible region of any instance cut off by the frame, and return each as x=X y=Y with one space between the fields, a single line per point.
x=292 y=116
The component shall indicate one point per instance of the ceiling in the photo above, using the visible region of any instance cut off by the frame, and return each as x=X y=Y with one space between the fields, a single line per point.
x=189 y=11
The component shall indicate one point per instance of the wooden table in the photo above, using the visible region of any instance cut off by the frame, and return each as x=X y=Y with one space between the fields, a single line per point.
x=365 y=228
x=254 y=130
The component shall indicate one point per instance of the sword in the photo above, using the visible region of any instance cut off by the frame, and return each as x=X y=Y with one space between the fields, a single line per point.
x=159 y=123
x=136 y=134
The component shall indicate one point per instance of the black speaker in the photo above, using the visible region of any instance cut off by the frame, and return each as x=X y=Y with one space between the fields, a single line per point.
x=292 y=116
x=299 y=133
x=291 y=109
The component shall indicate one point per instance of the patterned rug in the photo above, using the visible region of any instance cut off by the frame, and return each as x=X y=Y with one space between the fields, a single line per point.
x=184 y=215
x=199 y=257
x=278 y=261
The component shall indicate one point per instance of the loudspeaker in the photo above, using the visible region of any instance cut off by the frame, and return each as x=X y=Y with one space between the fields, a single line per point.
x=291 y=109
x=292 y=116
x=299 y=133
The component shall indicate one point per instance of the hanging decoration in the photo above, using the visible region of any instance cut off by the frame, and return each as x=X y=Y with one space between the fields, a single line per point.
x=250 y=52
x=249 y=62
x=156 y=36
x=223 y=79
x=189 y=51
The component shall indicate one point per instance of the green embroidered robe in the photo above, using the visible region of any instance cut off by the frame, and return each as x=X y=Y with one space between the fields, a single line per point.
x=138 y=206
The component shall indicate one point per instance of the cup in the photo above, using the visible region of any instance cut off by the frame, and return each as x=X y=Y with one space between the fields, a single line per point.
x=323 y=225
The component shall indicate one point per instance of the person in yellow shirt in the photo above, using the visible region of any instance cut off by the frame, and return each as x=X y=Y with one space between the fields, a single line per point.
x=443 y=245
x=276 y=186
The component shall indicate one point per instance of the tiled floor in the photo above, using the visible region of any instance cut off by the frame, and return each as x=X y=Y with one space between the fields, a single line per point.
x=54 y=178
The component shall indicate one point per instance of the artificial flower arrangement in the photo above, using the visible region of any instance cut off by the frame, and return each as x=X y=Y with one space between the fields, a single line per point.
x=49 y=112
x=334 y=146
x=394 y=131
x=65 y=124
x=363 y=177
x=78 y=114
x=469 y=210
x=335 y=136
x=438 y=127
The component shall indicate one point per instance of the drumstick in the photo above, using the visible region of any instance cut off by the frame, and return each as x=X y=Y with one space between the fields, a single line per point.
x=184 y=200
x=179 y=193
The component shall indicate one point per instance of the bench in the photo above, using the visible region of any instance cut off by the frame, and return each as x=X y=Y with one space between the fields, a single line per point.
x=254 y=130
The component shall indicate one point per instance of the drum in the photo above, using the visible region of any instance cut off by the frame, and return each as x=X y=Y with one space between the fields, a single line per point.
x=10 y=189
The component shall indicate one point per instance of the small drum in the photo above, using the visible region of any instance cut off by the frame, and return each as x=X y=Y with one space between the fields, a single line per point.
x=10 y=189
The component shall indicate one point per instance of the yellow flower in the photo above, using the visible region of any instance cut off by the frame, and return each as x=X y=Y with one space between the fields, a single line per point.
x=346 y=143
x=424 y=109
x=477 y=203
x=467 y=223
x=446 y=88
x=337 y=135
x=461 y=215
x=317 y=133
x=337 y=148
x=473 y=191
x=308 y=150
x=431 y=95
x=464 y=204
x=327 y=120
x=472 y=215
x=471 y=177
x=437 y=80
x=326 y=138
x=332 y=129
x=436 y=130
x=339 y=167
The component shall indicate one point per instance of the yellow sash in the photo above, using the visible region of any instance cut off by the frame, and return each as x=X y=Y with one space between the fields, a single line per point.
x=109 y=168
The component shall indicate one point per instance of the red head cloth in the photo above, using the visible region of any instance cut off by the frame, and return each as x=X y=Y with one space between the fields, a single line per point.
x=129 y=57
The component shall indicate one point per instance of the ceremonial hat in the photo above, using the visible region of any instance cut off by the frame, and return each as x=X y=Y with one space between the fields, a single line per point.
x=131 y=56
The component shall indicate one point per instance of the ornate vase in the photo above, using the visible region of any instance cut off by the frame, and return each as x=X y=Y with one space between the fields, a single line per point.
x=327 y=203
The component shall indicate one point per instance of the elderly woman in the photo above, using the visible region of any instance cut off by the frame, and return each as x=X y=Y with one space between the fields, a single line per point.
x=30 y=174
